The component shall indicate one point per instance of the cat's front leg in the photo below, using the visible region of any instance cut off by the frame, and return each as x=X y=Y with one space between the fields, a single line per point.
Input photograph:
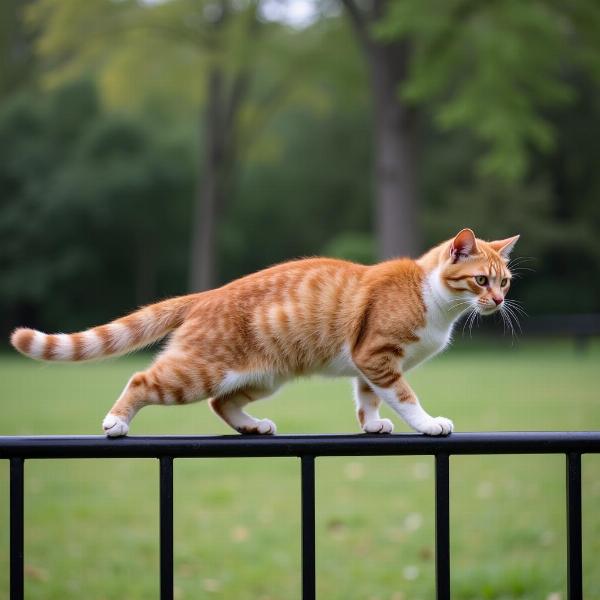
x=379 y=369
x=378 y=365
x=401 y=398
x=367 y=409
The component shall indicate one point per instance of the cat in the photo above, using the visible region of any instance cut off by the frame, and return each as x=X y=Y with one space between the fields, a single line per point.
x=241 y=342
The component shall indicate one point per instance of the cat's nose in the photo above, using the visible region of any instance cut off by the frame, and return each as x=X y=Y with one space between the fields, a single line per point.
x=497 y=300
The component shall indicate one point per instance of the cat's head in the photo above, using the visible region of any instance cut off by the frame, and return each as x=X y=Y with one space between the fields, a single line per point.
x=475 y=272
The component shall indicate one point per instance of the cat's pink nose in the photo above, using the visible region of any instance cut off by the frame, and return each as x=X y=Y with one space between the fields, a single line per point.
x=497 y=300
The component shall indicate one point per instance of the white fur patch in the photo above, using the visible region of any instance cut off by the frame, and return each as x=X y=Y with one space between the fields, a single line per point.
x=63 y=350
x=120 y=335
x=378 y=426
x=38 y=345
x=442 y=310
x=114 y=426
x=237 y=380
x=414 y=415
x=92 y=344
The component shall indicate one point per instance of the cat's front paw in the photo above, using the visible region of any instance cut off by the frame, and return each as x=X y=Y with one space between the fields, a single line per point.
x=438 y=426
x=378 y=426
x=114 y=426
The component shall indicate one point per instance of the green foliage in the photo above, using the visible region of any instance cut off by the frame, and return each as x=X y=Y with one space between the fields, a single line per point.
x=97 y=187
x=555 y=209
x=357 y=247
x=296 y=204
x=496 y=68
x=90 y=198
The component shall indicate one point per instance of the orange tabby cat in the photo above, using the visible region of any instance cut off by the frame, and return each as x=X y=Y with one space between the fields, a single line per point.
x=240 y=342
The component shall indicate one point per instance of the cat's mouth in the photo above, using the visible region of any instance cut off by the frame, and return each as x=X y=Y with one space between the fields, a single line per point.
x=488 y=310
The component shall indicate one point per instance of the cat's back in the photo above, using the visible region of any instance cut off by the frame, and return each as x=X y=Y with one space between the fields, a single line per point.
x=295 y=315
x=306 y=302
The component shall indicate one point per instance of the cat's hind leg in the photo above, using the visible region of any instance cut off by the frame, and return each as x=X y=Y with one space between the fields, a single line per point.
x=367 y=409
x=230 y=407
x=167 y=381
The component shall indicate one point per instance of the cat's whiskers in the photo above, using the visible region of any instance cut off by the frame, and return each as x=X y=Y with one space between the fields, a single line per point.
x=506 y=324
x=471 y=316
x=475 y=321
x=516 y=266
x=519 y=260
x=510 y=318
x=516 y=306
x=459 y=305
x=514 y=316
x=519 y=272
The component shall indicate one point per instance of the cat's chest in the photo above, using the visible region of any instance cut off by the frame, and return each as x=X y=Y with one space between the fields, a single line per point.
x=433 y=338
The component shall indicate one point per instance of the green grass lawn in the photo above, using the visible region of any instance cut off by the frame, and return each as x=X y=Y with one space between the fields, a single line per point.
x=92 y=526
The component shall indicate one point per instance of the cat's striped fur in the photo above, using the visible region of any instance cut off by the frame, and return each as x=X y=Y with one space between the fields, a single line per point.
x=240 y=342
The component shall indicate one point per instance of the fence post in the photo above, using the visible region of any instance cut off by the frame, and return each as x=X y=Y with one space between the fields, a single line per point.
x=166 y=528
x=574 y=554
x=442 y=526
x=309 y=589
x=17 y=528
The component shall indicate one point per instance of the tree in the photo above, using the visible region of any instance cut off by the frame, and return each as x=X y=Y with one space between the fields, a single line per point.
x=16 y=52
x=493 y=68
x=93 y=206
x=213 y=55
x=395 y=134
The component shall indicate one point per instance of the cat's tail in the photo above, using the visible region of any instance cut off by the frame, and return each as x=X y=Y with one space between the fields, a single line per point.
x=124 y=335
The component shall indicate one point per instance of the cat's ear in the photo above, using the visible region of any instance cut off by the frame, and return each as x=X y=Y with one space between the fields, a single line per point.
x=463 y=246
x=505 y=247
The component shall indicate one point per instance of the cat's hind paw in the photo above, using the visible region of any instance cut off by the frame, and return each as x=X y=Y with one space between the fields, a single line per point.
x=260 y=427
x=378 y=426
x=439 y=426
x=114 y=426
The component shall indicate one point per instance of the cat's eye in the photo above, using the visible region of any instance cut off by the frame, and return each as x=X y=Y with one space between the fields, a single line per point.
x=481 y=280
x=504 y=282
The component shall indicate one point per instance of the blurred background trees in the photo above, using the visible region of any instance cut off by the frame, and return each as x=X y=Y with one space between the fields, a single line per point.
x=150 y=147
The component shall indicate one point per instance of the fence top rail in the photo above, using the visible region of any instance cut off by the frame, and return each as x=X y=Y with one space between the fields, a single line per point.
x=239 y=446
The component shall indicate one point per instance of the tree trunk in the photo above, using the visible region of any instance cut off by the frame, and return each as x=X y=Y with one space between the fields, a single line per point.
x=209 y=189
x=220 y=137
x=397 y=203
x=16 y=46
x=396 y=194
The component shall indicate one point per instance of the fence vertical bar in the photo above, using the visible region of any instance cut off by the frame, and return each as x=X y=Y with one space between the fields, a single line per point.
x=574 y=552
x=442 y=526
x=166 y=528
x=309 y=589
x=17 y=528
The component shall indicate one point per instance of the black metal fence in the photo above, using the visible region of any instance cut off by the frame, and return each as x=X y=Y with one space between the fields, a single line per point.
x=307 y=448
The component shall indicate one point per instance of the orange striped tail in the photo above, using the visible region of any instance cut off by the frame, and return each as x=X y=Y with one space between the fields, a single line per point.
x=124 y=335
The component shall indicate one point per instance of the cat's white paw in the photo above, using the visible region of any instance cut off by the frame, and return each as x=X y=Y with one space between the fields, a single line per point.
x=260 y=427
x=266 y=427
x=438 y=426
x=378 y=426
x=114 y=426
